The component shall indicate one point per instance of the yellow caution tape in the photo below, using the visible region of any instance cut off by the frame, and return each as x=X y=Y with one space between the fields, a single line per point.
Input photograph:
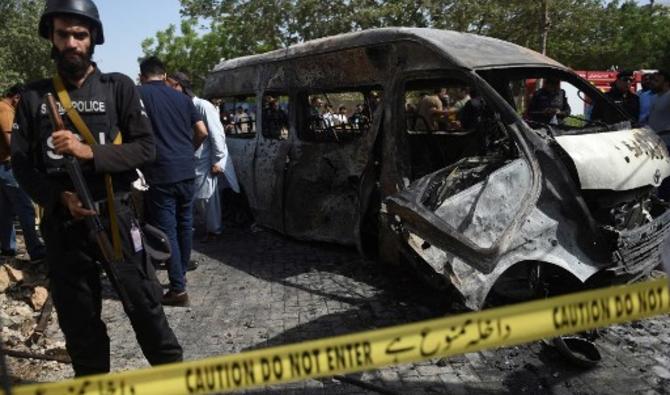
x=441 y=337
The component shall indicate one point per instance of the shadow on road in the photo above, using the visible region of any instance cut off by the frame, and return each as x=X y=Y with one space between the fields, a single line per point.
x=277 y=259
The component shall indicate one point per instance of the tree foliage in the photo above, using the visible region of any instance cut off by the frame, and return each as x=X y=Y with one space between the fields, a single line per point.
x=584 y=34
x=24 y=56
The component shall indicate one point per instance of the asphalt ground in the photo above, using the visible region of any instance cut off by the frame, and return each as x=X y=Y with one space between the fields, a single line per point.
x=258 y=289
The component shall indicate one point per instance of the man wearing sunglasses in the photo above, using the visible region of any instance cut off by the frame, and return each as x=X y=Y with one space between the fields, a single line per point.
x=623 y=96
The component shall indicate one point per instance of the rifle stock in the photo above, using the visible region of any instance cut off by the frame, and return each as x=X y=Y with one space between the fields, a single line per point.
x=93 y=222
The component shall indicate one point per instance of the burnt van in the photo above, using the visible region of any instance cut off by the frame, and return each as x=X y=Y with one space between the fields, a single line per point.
x=422 y=146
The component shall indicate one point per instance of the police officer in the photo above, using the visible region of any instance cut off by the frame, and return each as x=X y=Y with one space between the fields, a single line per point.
x=109 y=105
x=549 y=104
x=620 y=93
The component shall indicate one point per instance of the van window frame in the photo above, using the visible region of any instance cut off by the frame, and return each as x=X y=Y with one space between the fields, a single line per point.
x=508 y=115
x=245 y=136
x=511 y=120
x=302 y=108
x=289 y=119
x=566 y=76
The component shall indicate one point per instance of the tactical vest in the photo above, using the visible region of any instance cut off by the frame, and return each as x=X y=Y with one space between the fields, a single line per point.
x=95 y=103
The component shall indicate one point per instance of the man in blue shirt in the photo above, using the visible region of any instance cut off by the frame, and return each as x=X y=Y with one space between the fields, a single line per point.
x=211 y=161
x=647 y=98
x=179 y=131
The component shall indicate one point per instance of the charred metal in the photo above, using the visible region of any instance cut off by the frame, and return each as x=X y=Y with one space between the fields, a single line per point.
x=489 y=199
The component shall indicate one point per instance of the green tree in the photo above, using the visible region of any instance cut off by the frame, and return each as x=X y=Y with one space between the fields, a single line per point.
x=639 y=36
x=584 y=34
x=24 y=56
x=567 y=25
x=191 y=52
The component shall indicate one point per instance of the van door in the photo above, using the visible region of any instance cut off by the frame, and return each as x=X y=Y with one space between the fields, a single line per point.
x=336 y=131
x=270 y=159
x=467 y=210
x=469 y=185
x=241 y=139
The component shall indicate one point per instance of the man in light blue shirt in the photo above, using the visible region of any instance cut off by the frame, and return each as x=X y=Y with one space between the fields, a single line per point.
x=211 y=161
x=647 y=98
x=659 y=116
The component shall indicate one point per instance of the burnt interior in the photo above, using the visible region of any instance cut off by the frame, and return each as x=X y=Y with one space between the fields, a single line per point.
x=464 y=174
x=469 y=143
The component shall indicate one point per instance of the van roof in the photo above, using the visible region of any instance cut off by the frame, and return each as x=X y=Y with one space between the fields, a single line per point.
x=465 y=50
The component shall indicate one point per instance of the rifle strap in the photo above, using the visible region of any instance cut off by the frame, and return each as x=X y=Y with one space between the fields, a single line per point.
x=83 y=129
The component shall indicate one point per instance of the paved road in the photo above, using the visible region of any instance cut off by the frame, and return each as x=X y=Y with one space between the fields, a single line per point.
x=260 y=289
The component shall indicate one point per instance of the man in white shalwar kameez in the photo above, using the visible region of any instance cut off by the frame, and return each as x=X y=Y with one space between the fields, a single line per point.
x=211 y=161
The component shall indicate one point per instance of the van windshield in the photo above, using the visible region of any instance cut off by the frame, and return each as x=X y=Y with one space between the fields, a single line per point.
x=555 y=100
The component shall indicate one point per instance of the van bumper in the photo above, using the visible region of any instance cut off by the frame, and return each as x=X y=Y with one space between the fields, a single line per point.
x=638 y=251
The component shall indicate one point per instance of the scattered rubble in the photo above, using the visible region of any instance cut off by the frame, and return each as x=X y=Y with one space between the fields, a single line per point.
x=5 y=281
x=39 y=298
x=15 y=275
x=25 y=311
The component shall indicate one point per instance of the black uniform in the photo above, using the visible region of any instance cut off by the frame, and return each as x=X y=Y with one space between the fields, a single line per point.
x=109 y=104
x=542 y=100
x=629 y=102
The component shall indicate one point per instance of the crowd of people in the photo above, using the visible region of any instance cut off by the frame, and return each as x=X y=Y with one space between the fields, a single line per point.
x=324 y=115
x=648 y=106
x=448 y=109
x=183 y=184
x=241 y=120
x=158 y=141
x=459 y=107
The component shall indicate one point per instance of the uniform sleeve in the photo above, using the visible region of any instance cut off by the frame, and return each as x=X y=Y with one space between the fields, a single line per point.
x=138 y=147
x=44 y=190
x=597 y=112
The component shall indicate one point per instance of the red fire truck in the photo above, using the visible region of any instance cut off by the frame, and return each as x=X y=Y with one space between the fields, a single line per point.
x=603 y=79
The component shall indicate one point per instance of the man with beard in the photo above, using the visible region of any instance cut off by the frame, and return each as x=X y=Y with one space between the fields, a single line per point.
x=647 y=97
x=109 y=106
x=620 y=93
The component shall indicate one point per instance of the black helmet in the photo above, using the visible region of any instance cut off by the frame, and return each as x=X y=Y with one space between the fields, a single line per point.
x=80 y=8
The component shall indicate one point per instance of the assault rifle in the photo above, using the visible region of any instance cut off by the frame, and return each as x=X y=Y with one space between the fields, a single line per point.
x=93 y=222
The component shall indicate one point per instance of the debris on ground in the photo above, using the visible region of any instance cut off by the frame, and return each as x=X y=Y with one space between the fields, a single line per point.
x=25 y=311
